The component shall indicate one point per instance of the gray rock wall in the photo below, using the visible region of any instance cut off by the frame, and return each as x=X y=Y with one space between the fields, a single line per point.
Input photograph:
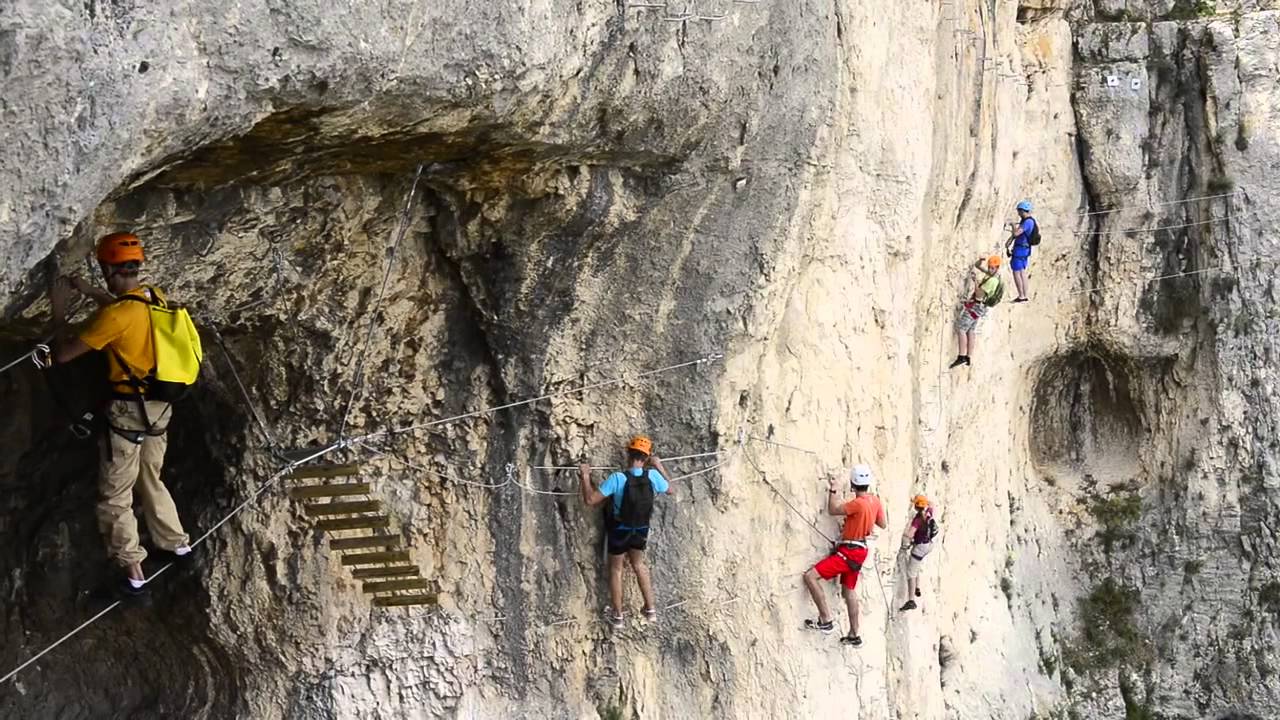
x=605 y=189
x=1197 y=329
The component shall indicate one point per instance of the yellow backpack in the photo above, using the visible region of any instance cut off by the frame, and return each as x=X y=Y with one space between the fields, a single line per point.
x=177 y=346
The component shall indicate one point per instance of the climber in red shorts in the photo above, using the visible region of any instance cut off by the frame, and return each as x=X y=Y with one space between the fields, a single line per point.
x=860 y=514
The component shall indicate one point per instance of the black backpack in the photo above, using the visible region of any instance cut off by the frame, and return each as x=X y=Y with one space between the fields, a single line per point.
x=1034 y=238
x=637 y=502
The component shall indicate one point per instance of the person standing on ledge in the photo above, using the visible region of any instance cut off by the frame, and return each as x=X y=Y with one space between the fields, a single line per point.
x=132 y=446
x=1026 y=232
x=627 y=520
x=986 y=294
x=860 y=514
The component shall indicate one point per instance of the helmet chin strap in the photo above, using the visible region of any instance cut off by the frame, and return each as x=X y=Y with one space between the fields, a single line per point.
x=128 y=269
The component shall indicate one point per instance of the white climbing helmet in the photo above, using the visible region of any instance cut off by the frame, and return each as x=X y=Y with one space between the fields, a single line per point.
x=861 y=476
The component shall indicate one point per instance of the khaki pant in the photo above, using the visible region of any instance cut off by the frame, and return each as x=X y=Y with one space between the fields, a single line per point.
x=123 y=465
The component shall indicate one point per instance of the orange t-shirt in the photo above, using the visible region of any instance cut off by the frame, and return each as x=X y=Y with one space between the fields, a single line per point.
x=860 y=515
x=126 y=327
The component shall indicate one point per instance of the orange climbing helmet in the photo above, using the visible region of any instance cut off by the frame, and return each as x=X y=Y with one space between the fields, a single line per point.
x=993 y=262
x=642 y=444
x=921 y=502
x=119 y=248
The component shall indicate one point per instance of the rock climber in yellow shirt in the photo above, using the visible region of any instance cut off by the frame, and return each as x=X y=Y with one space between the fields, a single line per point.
x=132 y=447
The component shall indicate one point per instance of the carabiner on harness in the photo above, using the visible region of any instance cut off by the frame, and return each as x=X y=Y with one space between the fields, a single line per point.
x=42 y=356
x=82 y=428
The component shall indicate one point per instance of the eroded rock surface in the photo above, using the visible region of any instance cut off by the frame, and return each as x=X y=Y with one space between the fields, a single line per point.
x=792 y=190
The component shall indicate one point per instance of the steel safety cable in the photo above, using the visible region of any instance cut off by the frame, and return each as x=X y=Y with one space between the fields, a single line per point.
x=1164 y=203
x=520 y=403
x=361 y=355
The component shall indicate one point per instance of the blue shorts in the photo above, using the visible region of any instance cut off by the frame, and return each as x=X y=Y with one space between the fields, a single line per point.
x=1019 y=263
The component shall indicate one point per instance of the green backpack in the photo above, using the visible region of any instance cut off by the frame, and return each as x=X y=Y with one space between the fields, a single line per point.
x=994 y=297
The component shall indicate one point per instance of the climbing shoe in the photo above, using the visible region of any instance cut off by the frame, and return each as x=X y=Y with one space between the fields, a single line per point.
x=853 y=640
x=1018 y=300
x=651 y=614
x=910 y=605
x=613 y=618
x=917 y=592
x=960 y=360
x=130 y=588
x=826 y=627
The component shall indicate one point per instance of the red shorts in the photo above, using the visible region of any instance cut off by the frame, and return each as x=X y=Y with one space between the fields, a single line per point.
x=837 y=564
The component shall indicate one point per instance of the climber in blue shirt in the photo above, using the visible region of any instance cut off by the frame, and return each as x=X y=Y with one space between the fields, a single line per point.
x=1025 y=234
x=631 y=493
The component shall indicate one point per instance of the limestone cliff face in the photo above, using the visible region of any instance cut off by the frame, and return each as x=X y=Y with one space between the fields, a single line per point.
x=793 y=189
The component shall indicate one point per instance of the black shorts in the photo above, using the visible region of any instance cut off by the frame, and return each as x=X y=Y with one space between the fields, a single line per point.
x=620 y=541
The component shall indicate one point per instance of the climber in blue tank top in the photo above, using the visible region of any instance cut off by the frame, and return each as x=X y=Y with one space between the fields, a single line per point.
x=1018 y=247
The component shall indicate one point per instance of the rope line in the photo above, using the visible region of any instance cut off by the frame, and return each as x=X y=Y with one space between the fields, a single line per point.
x=1188 y=273
x=779 y=444
x=33 y=354
x=1161 y=204
x=414 y=466
x=1121 y=231
x=520 y=403
x=244 y=392
x=888 y=608
x=677 y=458
x=59 y=641
x=510 y=478
x=782 y=497
x=358 y=382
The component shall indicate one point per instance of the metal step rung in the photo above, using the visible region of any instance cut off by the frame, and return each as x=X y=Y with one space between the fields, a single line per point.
x=370 y=558
x=354 y=523
x=389 y=585
x=382 y=572
x=403 y=600
x=341 y=508
x=305 y=492
x=368 y=541
x=323 y=470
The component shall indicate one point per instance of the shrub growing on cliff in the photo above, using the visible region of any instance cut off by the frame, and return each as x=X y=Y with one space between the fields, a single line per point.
x=1193 y=9
x=1118 y=512
x=1269 y=597
x=1220 y=184
x=1109 y=634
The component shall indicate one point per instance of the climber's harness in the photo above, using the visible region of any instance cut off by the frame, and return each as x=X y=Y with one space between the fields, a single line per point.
x=140 y=388
x=854 y=565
